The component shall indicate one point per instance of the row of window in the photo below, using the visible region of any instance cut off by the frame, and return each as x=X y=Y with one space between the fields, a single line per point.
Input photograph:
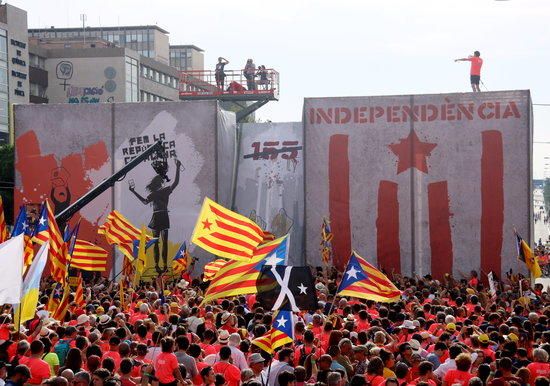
x=159 y=77
x=3 y=79
x=148 y=97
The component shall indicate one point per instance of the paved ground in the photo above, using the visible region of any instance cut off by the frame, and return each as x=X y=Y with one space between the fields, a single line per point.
x=542 y=230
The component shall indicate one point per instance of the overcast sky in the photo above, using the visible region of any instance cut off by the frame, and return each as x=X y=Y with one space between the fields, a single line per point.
x=341 y=48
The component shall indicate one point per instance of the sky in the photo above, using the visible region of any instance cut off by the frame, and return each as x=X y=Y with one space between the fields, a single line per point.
x=346 y=47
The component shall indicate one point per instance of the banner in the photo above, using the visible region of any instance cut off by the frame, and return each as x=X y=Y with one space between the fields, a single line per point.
x=270 y=185
x=420 y=183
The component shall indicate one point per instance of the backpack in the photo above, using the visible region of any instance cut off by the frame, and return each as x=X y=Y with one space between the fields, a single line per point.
x=61 y=349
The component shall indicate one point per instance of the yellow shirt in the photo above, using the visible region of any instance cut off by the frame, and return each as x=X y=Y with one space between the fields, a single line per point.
x=388 y=373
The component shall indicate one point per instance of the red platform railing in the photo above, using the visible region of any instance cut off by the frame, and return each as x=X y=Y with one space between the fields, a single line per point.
x=203 y=83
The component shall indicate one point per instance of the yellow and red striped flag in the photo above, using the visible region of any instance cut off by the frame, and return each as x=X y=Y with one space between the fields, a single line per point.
x=362 y=280
x=281 y=333
x=225 y=233
x=212 y=268
x=63 y=306
x=79 y=294
x=4 y=235
x=120 y=231
x=48 y=231
x=88 y=256
x=238 y=278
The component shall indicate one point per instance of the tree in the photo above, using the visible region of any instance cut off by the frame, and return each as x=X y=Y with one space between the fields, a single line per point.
x=7 y=179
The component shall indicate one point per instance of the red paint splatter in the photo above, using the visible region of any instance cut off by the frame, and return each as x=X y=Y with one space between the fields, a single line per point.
x=388 y=248
x=492 y=201
x=441 y=243
x=339 y=193
x=37 y=180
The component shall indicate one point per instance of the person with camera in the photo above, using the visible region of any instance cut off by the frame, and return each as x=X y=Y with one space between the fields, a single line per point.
x=219 y=72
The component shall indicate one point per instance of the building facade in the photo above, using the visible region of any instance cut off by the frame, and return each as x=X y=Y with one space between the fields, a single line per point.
x=150 y=41
x=97 y=71
x=14 y=64
x=187 y=57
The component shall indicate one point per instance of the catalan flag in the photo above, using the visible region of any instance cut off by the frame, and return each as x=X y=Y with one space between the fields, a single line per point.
x=225 y=233
x=88 y=257
x=63 y=306
x=237 y=278
x=281 y=332
x=326 y=242
x=119 y=230
x=79 y=294
x=525 y=254
x=48 y=231
x=21 y=226
x=55 y=298
x=3 y=226
x=212 y=268
x=180 y=262
x=362 y=280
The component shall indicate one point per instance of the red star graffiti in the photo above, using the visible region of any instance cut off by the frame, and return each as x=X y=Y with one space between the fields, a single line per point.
x=412 y=153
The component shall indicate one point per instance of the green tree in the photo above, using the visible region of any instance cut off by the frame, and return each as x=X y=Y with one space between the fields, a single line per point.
x=7 y=180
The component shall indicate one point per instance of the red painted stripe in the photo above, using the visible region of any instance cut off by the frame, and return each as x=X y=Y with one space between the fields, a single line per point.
x=243 y=236
x=388 y=247
x=249 y=224
x=339 y=193
x=223 y=248
x=492 y=201
x=441 y=241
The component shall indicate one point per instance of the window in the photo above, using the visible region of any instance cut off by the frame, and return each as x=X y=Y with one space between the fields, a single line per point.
x=132 y=90
x=37 y=90
x=3 y=45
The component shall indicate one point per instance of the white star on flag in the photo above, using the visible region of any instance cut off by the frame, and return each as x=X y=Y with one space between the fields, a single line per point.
x=42 y=220
x=25 y=226
x=302 y=288
x=282 y=321
x=352 y=272
x=273 y=260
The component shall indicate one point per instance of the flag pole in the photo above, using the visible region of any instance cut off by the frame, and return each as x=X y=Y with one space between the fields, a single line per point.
x=268 y=370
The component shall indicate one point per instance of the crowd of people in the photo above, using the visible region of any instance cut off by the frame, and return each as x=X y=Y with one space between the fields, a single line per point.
x=250 y=73
x=443 y=332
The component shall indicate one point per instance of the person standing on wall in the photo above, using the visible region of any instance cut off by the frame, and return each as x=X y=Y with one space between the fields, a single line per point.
x=475 y=69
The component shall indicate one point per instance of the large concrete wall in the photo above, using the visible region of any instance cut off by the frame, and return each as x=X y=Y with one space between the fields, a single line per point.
x=63 y=150
x=423 y=183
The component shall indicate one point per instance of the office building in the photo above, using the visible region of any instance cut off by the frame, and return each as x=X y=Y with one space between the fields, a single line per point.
x=147 y=40
x=69 y=70
x=14 y=59
x=187 y=57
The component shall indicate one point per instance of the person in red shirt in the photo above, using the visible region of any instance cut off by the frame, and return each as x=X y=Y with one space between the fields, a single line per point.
x=425 y=374
x=230 y=372
x=40 y=370
x=462 y=374
x=113 y=353
x=166 y=364
x=475 y=69
x=540 y=366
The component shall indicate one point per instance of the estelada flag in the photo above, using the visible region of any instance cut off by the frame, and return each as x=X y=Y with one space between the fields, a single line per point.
x=225 y=233
x=362 y=280
x=48 y=231
x=525 y=254
x=281 y=332
x=212 y=268
x=3 y=227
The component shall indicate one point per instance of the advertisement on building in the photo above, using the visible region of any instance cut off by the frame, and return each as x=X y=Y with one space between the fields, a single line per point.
x=420 y=183
x=270 y=185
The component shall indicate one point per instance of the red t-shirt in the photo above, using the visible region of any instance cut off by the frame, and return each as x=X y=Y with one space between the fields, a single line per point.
x=115 y=356
x=165 y=364
x=538 y=369
x=476 y=63
x=456 y=376
x=375 y=380
x=230 y=372
x=40 y=370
